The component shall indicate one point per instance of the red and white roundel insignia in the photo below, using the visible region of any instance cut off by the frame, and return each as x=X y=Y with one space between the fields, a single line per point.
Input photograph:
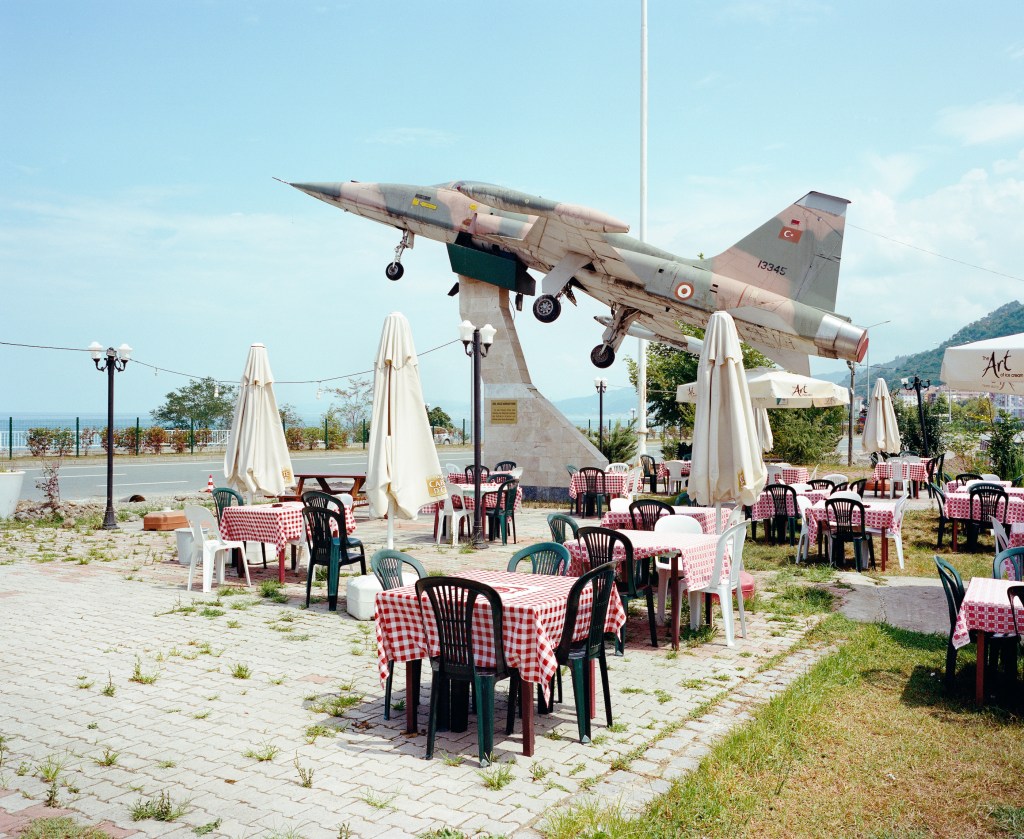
x=684 y=291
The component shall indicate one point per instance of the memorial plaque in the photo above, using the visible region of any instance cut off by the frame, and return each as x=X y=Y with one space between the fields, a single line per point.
x=504 y=411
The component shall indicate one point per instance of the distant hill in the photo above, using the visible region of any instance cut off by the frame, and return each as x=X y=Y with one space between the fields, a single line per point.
x=1006 y=320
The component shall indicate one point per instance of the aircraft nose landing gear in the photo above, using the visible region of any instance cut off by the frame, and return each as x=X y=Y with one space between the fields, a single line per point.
x=602 y=356
x=394 y=269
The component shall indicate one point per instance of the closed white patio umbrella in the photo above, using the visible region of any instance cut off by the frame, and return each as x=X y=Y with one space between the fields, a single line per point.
x=995 y=365
x=881 y=432
x=403 y=472
x=772 y=387
x=764 y=429
x=726 y=462
x=256 y=458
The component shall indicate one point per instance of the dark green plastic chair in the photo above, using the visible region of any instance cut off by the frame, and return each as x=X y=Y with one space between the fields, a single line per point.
x=646 y=512
x=562 y=526
x=325 y=548
x=224 y=497
x=326 y=501
x=650 y=469
x=632 y=578
x=940 y=498
x=1009 y=561
x=505 y=466
x=503 y=513
x=549 y=558
x=681 y=500
x=386 y=566
x=846 y=522
x=784 y=518
x=595 y=494
x=577 y=655
x=452 y=601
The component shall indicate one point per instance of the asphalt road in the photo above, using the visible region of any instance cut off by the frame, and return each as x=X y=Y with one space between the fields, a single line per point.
x=151 y=476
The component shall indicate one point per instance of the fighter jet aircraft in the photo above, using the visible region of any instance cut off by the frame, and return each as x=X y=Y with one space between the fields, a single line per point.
x=778 y=282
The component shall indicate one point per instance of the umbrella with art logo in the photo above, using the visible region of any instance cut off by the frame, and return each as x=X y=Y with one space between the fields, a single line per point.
x=995 y=365
x=726 y=463
x=772 y=387
x=256 y=459
x=402 y=472
x=881 y=432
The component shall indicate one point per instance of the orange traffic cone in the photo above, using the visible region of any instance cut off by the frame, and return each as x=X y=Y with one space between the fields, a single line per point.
x=209 y=485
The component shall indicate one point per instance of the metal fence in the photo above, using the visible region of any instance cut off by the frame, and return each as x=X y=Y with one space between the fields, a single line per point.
x=80 y=436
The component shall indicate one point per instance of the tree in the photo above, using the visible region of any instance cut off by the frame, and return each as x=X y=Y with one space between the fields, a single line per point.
x=909 y=423
x=199 y=402
x=438 y=418
x=289 y=415
x=356 y=400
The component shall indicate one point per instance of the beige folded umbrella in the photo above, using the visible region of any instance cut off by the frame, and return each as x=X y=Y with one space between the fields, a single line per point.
x=764 y=429
x=881 y=432
x=403 y=472
x=256 y=458
x=726 y=463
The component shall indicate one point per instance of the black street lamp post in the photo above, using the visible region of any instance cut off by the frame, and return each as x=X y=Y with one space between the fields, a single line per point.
x=477 y=341
x=112 y=361
x=601 y=385
x=916 y=384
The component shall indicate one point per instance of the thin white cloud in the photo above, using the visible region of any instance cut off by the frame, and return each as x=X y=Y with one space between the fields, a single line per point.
x=411 y=137
x=985 y=122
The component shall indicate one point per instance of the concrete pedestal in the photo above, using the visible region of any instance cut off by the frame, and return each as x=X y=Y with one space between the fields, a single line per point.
x=519 y=423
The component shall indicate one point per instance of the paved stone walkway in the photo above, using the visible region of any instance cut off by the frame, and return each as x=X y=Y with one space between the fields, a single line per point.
x=133 y=687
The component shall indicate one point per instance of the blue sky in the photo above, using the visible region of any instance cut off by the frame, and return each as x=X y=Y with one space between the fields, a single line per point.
x=137 y=202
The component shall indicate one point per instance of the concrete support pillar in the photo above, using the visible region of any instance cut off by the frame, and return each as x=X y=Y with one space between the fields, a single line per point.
x=519 y=423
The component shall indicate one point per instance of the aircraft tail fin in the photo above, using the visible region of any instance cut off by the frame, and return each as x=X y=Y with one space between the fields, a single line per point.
x=796 y=253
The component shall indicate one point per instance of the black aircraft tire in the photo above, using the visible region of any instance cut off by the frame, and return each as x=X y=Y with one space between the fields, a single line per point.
x=602 y=356
x=394 y=270
x=547 y=308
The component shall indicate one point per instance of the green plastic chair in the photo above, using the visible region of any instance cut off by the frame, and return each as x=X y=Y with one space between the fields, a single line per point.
x=504 y=512
x=681 y=500
x=647 y=511
x=325 y=501
x=386 y=566
x=545 y=558
x=1009 y=565
x=632 y=578
x=650 y=468
x=452 y=601
x=325 y=548
x=561 y=526
x=953 y=586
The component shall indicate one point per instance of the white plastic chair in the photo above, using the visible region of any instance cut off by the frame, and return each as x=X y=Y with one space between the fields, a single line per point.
x=737 y=515
x=617 y=468
x=516 y=472
x=988 y=476
x=632 y=484
x=732 y=539
x=451 y=469
x=836 y=478
x=676 y=481
x=1000 y=535
x=775 y=475
x=453 y=512
x=671 y=524
x=803 y=547
x=619 y=505
x=896 y=532
x=213 y=550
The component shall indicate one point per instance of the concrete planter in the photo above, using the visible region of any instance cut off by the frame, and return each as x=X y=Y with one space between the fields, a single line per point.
x=10 y=492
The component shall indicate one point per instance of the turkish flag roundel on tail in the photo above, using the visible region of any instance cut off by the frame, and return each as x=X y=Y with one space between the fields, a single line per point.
x=790 y=235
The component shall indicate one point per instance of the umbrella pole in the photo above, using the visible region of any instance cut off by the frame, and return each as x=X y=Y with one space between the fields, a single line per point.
x=391 y=523
x=718 y=517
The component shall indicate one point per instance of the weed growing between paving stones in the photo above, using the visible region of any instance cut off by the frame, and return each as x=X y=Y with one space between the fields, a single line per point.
x=380 y=802
x=161 y=809
x=241 y=671
x=315 y=731
x=452 y=760
x=84 y=683
x=109 y=757
x=538 y=770
x=209 y=827
x=109 y=689
x=140 y=677
x=166 y=764
x=305 y=773
x=274 y=591
x=60 y=827
x=498 y=776
x=49 y=770
x=266 y=752
x=52 y=795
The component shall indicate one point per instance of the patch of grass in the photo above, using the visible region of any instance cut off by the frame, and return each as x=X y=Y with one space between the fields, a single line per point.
x=379 y=802
x=108 y=758
x=266 y=752
x=84 y=683
x=166 y=764
x=162 y=808
x=305 y=773
x=498 y=776
x=662 y=696
x=336 y=705
x=93 y=725
x=60 y=827
x=50 y=769
x=200 y=715
x=273 y=591
x=315 y=731
x=692 y=684
x=538 y=770
x=241 y=671
x=452 y=760
x=209 y=827
x=1010 y=819
x=140 y=677
x=211 y=612
x=399 y=705
x=618 y=727
x=632 y=690
x=109 y=689
x=233 y=624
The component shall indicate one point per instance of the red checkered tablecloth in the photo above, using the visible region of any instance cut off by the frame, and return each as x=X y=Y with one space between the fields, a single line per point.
x=533 y=614
x=489 y=493
x=958 y=506
x=986 y=607
x=613 y=483
x=790 y=474
x=956 y=486
x=696 y=553
x=879 y=514
x=663 y=470
x=764 y=507
x=270 y=523
x=917 y=472
x=705 y=517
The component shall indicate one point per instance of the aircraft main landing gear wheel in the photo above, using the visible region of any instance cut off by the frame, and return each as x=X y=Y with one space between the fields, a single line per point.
x=546 y=308
x=394 y=271
x=602 y=356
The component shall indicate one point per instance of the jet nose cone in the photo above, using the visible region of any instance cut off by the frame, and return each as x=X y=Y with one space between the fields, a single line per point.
x=318 y=190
